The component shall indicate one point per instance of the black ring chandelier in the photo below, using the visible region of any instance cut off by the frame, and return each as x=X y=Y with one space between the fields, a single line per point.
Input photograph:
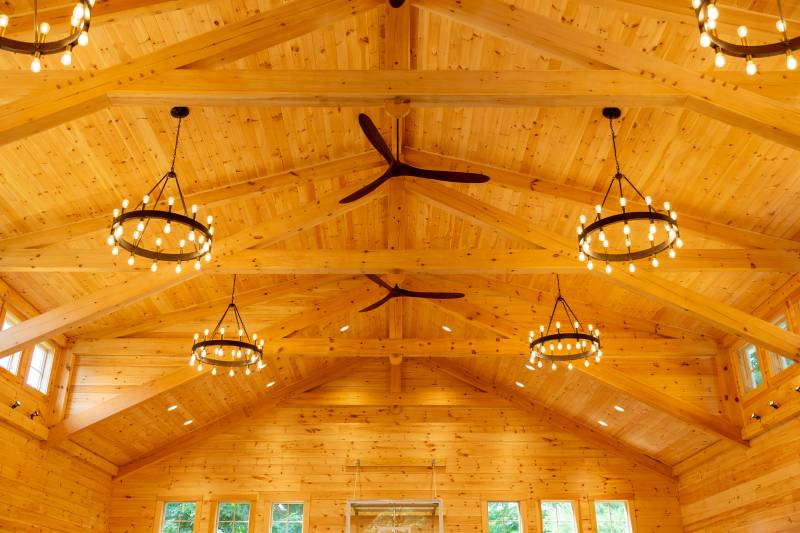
x=40 y=46
x=567 y=344
x=243 y=352
x=167 y=244
x=707 y=20
x=593 y=241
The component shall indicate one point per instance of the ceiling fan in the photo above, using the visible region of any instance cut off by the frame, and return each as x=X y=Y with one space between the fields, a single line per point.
x=397 y=292
x=397 y=3
x=397 y=168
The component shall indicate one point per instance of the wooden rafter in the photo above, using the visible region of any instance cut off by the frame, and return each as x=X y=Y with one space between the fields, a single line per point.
x=69 y=101
x=334 y=369
x=590 y=198
x=122 y=402
x=98 y=304
x=617 y=345
x=738 y=107
x=559 y=420
x=437 y=261
x=643 y=281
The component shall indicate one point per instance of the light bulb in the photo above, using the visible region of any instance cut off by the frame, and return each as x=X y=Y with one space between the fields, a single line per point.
x=135 y=235
x=3 y=20
x=66 y=58
x=197 y=265
x=167 y=228
x=631 y=267
x=540 y=364
x=679 y=243
x=553 y=366
x=751 y=68
x=199 y=367
x=705 y=40
x=696 y=4
x=719 y=60
x=158 y=242
x=191 y=236
x=125 y=203
x=36 y=65
x=712 y=12
x=582 y=219
x=77 y=12
x=791 y=62
x=671 y=253
x=742 y=31
x=115 y=251
x=118 y=231
x=44 y=28
x=247 y=371
x=570 y=366
x=131 y=260
x=598 y=208
x=181 y=243
x=581 y=256
x=626 y=229
x=171 y=201
x=666 y=206
x=214 y=371
x=590 y=265
x=207 y=257
x=210 y=219
x=231 y=373
x=154 y=267
x=586 y=363
x=140 y=226
x=110 y=240
x=178 y=268
x=608 y=268
x=558 y=325
x=83 y=38
x=654 y=262
x=597 y=359
x=622 y=201
x=780 y=25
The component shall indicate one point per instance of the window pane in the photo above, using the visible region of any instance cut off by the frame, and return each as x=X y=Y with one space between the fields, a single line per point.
x=612 y=517
x=11 y=362
x=777 y=361
x=749 y=367
x=558 y=517
x=504 y=517
x=178 y=517
x=233 y=517
x=287 y=518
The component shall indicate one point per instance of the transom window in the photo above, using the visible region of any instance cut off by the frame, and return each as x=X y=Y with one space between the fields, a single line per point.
x=287 y=518
x=612 y=517
x=504 y=517
x=558 y=517
x=40 y=368
x=233 y=517
x=178 y=517
x=10 y=362
x=778 y=362
x=749 y=367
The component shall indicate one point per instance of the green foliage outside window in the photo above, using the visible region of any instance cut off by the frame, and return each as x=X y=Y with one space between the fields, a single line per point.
x=612 y=517
x=233 y=517
x=287 y=518
x=504 y=517
x=558 y=517
x=178 y=517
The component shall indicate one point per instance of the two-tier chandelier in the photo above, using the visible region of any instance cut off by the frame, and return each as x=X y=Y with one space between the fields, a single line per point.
x=162 y=243
x=238 y=350
x=569 y=343
x=594 y=243
x=708 y=19
x=39 y=46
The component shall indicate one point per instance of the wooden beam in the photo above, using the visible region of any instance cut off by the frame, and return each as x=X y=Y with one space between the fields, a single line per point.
x=614 y=346
x=101 y=303
x=392 y=261
x=69 y=101
x=311 y=88
x=89 y=457
x=735 y=106
x=330 y=371
x=590 y=198
x=18 y=419
x=643 y=281
x=224 y=195
x=559 y=420
x=261 y=295
x=122 y=402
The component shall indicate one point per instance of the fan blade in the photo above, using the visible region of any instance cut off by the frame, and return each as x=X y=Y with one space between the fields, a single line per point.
x=378 y=281
x=366 y=189
x=432 y=295
x=378 y=303
x=444 y=175
x=375 y=138
x=397 y=3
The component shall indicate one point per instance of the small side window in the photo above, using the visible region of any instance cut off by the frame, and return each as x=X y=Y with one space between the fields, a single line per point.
x=10 y=362
x=777 y=362
x=504 y=517
x=178 y=517
x=558 y=517
x=749 y=367
x=612 y=517
x=40 y=368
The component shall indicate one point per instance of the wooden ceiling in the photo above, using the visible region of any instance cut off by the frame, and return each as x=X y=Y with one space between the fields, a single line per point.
x=273 y=143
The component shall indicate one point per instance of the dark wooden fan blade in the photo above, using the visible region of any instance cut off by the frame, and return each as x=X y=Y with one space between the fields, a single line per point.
x=377 y=304
x=397 y=3
x=444 y=175
x=378 y=281
x=366 y=189
x=375 y=138
x=432 y=295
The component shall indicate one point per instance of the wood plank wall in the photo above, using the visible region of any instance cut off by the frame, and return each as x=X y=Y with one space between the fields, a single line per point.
x=302 y=452
x=48 y=491
x=734 y=490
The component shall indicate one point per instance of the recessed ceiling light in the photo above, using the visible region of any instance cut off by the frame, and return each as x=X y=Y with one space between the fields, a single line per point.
x=188 y=422
x=603 y=423
x=620 y=409
x=447 y=329
x=344 y=328
x=172 y=407
x=270 y=384
x=530 y=367
x=520 y=385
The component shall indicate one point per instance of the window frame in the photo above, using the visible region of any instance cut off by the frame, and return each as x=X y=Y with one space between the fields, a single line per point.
x=4 y=312
x=740 y=379
x=51 y=350
x=251 y=523
x=289 y=501
x=604 y=499
x=520 y=500
x=161 y=506
x=572 y=502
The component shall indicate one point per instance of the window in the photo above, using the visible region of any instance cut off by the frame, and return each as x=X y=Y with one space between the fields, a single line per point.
x=558 y=517
x=178 y=517
x=287 y=518
x=504 y=517
x=612 y=517
x=41 y=365
x=778 y=362
x=749 y=367
x=10 y=362
x=233 y=517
